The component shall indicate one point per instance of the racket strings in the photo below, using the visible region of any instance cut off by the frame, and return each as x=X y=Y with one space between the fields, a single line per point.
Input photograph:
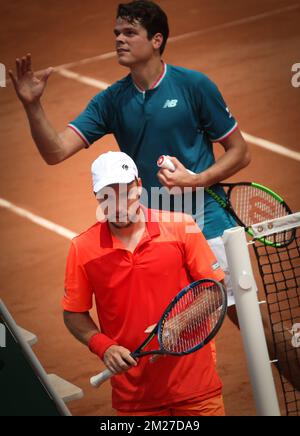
x=253 y=205
x=192 y=319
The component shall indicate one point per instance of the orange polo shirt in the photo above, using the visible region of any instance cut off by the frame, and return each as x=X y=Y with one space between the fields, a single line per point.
x=132 y=290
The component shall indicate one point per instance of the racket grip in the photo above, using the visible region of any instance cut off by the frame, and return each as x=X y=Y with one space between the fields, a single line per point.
x=100 y=378
x=165 y=162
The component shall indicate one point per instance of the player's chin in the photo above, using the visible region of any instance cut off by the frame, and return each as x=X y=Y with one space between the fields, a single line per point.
x=121 y=224
x=125 y=60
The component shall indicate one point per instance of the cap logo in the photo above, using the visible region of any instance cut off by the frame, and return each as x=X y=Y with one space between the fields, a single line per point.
x=125 y=167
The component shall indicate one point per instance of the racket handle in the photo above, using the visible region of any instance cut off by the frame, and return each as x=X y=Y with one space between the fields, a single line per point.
x=165 y=162
x=100 y=378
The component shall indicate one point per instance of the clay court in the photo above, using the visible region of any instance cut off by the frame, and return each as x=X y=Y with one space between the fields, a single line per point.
x=247 y=47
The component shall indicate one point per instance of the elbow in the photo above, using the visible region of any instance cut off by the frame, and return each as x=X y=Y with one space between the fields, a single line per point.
x=53 y=159
x=56 y=153
x=51 y=162
x=246 y=159
x=66 y=318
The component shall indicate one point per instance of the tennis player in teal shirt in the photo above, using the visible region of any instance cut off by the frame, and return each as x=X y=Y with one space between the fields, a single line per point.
x=157 y=109
x=181 y=115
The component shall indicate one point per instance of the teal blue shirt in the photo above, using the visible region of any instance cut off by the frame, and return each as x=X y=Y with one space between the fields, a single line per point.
x=182 y=116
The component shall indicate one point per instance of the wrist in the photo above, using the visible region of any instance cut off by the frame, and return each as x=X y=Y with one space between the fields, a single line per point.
x=33 y=106
x=200 y=180
x=99 y=343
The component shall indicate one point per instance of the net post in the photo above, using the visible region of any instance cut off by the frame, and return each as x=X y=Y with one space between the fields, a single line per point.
x=250 y=321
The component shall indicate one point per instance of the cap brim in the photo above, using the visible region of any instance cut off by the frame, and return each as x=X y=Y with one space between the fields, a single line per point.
x=125 y=180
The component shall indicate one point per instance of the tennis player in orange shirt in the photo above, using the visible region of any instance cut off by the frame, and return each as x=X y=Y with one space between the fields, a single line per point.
x=133 y=262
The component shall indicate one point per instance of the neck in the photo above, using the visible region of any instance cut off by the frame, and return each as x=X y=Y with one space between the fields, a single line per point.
x=129 y=231
x=145 y=74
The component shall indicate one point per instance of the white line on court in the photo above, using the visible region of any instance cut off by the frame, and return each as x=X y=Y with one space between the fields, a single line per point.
x=82 y=79
x=271 y=146
x=42 y=222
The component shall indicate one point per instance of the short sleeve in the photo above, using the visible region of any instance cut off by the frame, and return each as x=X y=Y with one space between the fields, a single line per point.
x=78 y=291
x=215 y=117
x=94 y=121
x=199 y=257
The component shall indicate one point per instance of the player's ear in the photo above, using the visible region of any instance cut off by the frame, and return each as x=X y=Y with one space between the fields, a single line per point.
x=157 y=41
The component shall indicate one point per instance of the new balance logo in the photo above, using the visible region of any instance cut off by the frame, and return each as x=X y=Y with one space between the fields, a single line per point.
x=170 y=103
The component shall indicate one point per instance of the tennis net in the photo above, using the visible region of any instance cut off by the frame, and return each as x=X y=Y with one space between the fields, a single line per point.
x=279 y=267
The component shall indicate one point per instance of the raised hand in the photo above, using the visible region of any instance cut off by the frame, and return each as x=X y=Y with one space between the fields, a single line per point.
x=28 y=86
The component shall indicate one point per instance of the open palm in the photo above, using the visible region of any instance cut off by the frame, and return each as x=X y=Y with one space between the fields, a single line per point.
x=28 y=86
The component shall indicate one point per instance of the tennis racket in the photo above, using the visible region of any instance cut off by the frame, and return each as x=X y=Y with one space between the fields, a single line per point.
x=189 y=322
x=248 y=203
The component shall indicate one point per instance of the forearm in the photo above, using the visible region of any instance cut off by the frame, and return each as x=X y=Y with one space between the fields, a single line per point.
x=47 y=140
x=81 y=326
x=226 y=166
x=54 y=147
x=236 y=157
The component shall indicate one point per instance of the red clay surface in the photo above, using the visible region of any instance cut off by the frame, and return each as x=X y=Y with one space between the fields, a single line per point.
x=251 y=63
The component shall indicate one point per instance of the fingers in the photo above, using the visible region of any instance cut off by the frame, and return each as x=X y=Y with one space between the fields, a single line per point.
x=18 y=68
x=123 y=362
x=115 y=367
x=23 y=65
x=176 y=162
x=119 y=360
x=47 y=74
x=162 y=179
x=165 y=177
x=28 y=62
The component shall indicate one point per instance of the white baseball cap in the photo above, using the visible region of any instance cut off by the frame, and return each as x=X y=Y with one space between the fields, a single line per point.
x=111 y=168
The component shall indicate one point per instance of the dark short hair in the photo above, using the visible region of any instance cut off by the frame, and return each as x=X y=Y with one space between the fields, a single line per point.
x=149 y=15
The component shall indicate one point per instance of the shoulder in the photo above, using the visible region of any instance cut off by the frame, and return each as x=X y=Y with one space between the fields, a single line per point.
x=188 y=76
x=177 y=224
x=117 y=88
x=88 y=237
x=120 y=86
x=196 y=83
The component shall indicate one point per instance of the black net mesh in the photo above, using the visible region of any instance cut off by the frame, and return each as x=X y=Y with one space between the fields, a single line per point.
x=280 y=272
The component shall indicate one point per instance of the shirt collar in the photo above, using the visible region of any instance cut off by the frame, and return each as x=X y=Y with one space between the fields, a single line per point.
x=152 y=228
x=157 y=81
